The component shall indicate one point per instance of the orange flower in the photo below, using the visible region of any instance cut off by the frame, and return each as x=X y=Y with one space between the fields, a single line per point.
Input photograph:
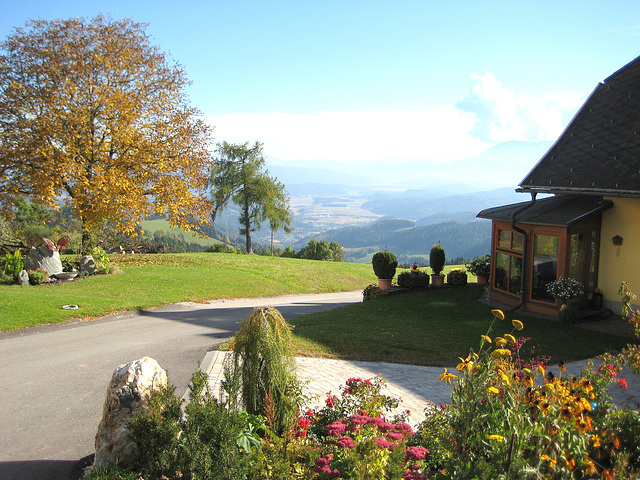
x=498 y=314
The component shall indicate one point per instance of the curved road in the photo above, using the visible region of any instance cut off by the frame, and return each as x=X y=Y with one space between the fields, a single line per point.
x=54 y=377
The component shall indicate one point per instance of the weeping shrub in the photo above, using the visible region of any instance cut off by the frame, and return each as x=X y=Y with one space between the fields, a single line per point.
x=260 y=375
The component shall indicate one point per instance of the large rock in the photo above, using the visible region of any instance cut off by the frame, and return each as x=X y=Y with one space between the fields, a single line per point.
x=126 y=394
x=43 y=257
x=87 y=265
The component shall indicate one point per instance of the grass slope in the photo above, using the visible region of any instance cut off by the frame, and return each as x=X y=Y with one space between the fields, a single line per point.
x=154 y=280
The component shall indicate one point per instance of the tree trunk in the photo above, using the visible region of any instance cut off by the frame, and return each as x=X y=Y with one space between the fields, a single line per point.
x=87 y=242
x=247 y=226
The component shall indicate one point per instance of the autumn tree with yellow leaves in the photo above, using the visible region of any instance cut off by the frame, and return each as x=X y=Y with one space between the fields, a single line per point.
x=94 y=116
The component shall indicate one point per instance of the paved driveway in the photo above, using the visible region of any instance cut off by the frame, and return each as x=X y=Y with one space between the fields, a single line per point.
x=53 y=378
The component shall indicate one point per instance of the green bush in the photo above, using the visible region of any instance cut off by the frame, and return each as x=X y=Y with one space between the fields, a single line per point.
x=384 y=264
x=112 y=472
x=373 y=291
x=36 y=277
x=13 y=264
x=437 y=259
x=208 y=442
x=480 y=265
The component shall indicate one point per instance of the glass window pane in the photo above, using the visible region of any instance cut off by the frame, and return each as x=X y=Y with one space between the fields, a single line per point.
x=504 y=238
x=518 y=241
x=515 y=277
x=502 y=271
x=545 y=265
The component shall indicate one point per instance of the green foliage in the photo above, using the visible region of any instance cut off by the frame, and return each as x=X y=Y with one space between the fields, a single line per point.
x=480 y=265
x=261 y=371
x=322 y=250
x=221 y=248
x=288 y=252
x=101 y=258
x=13 y=264
x=38 y=276
x=437 y=259
x=373 y=291
x=155 y=432
x=111 y=472
x=384 y=264
x=208 y=442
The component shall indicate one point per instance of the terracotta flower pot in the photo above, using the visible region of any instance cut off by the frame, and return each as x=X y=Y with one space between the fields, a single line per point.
x=384 y=283
x=437 y=280
x=482 y=279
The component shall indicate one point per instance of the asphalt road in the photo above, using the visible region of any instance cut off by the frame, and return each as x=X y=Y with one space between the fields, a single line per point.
x=53 y=378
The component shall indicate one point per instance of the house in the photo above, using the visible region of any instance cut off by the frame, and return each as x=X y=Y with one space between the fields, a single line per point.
x=589 y=229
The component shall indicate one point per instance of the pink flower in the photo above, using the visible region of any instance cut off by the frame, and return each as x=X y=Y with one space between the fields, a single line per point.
x=359 y=419
x=622 y=382
x=345 y=442
x=416 y=453
x=395 y=436
x=382 y=443
x=336 y=428
x=403 y=427
x=335 y=473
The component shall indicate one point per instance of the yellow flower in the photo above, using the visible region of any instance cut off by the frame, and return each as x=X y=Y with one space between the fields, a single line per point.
x=497 y=438
x=528 y=372
x=500 y=342
x=493 y=390
x=510 y=338
x=447 y=377
x=548 y=459
x=517 y=324
x=498 y=314
x=466 y=364
x=486 y=339
x=500 y=352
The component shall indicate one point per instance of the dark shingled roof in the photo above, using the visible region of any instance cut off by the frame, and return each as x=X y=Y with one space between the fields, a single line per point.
x=561 y=210
x=599 y=152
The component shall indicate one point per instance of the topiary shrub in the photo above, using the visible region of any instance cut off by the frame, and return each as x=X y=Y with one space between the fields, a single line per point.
x=437 y=259
x=261 y=371
x=384 y=264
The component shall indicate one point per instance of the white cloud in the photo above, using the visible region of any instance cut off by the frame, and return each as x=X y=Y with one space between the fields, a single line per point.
x=437 y=135
x=490 y=114
x=502 y=116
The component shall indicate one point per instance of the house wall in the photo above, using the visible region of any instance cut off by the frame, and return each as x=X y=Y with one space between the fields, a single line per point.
x=620 y=263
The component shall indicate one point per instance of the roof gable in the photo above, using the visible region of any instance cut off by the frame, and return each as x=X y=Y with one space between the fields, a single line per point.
x=599 y=151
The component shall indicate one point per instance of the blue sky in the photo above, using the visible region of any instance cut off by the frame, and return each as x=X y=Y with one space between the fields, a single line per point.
x=379 y=81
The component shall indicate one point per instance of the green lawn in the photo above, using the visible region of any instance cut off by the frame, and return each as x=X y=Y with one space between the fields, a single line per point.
x=154 y=280
x=435 y=327
x=429 y=327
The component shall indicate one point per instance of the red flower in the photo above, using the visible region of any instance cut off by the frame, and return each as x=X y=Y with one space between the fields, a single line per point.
x=622 y=382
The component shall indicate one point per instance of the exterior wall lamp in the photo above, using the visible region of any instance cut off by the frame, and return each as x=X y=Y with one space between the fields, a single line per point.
x=617 y=240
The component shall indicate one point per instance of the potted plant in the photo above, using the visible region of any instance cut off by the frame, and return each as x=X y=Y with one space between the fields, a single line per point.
x=413 y=278
x=457 y=276
x=436 y=262
x=384 y=267
x=480 y=267
x=565 y=289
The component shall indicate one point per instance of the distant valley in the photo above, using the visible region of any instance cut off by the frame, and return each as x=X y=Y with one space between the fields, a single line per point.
x=406 y=208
